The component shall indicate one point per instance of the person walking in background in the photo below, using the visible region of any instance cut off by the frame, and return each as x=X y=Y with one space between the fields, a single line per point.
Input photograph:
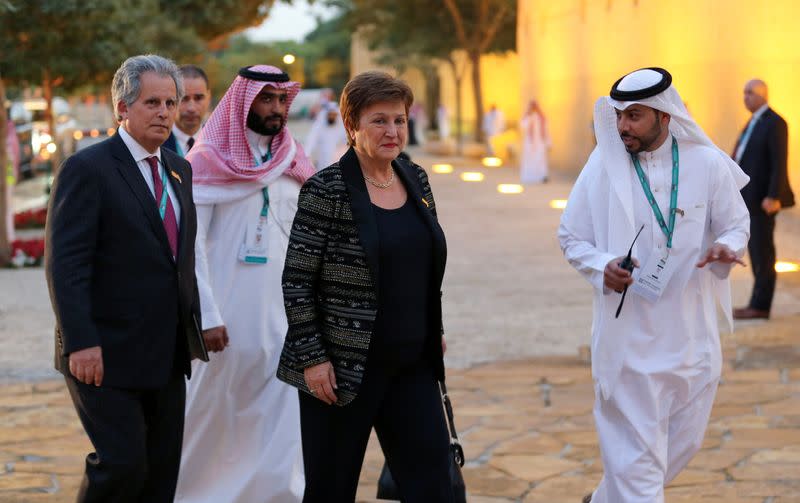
x=362 y=289
x=192 y=110
x=443 y=121
x=656 y=360
x=761 y=151
x=494 y=123
x=327 y=140
x=120 y=267
x=242 y=441
x=535 y=143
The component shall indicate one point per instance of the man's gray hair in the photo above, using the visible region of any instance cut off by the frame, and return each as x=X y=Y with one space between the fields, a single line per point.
x=127 y=83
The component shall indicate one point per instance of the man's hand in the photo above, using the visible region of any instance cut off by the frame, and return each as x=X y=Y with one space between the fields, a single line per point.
x=87 y=365
x=321 y=380
x=720 y=253
x=770 y=205
x=615 y=277
x=216 y=338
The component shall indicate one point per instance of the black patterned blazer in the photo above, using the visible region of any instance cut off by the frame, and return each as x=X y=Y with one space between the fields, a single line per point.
x=330 y=279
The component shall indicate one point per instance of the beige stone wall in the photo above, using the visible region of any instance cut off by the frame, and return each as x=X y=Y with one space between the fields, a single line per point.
x=500 y=80
x=572 y=51
x=362 y=60
x=500 y=75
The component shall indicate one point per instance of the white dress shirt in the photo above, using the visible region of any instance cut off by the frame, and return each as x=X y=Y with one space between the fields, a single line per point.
x=182 y=140
x=140 y=154
x=746 y=137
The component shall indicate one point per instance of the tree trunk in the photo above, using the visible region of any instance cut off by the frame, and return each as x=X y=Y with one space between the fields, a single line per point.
x=475 y=60
x=457 y=79
x=5 y=246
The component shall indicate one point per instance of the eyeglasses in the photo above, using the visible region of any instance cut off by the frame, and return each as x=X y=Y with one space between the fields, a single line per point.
x=627 y=264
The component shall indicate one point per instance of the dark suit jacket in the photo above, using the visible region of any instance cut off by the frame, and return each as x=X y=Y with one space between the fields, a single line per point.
x=112 y=279
x=764 y=160
x=171 y=142
x=331 y=276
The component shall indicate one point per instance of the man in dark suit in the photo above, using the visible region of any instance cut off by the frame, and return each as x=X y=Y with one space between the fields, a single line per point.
x=761 y=151
x=120 y=269
x=192 y=110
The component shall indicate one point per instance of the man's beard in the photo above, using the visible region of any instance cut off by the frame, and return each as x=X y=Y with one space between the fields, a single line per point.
x=259 y=124
x=645 y=141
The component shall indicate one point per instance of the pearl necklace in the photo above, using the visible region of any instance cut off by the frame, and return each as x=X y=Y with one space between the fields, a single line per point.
x=384 y=185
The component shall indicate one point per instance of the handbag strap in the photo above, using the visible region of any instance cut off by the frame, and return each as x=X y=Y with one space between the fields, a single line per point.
x=458 y=451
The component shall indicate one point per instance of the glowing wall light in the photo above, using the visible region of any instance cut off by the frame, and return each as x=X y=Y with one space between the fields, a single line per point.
x=443 y=169
x=111 y=131
x=786 y=267
x=492 y=162
x=77 y=135
x=510 y=188
x=558 y=204
x=472 y=176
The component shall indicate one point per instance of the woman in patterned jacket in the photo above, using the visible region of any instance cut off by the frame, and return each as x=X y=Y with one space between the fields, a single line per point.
x=361 y=287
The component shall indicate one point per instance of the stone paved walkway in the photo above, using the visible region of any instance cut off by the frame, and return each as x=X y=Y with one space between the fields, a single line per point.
x=526 y=423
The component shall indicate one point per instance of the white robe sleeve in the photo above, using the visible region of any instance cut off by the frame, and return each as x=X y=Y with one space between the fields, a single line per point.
x=576 y=233
x=208 y=305
x=730 y=220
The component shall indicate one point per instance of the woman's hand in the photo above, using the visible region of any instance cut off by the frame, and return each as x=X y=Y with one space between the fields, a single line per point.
x=321 y=380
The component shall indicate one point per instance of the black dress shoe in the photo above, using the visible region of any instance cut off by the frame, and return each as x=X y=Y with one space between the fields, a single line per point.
x=748 y=313
x=587 y=498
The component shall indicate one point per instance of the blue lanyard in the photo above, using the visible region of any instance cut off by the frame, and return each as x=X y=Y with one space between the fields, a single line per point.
x=162 y=207
x=673 y=198
x=265 y=207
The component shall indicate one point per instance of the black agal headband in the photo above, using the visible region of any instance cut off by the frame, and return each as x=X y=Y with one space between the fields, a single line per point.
x=247 y=73
x=647 y=92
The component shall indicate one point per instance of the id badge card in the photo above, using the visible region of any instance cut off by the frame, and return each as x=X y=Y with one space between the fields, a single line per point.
x=654 y=276
x=253 y=254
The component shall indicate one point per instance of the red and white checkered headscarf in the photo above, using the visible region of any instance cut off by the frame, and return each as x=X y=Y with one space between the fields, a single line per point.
x=222 y=155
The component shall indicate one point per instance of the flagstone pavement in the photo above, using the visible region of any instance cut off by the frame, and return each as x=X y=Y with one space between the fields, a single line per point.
x=524 y=414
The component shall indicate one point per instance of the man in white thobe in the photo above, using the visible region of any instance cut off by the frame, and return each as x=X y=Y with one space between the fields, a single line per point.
x=535 y=142
x=327 y=139
x=242 y=437
x=655 y=367
x=493 y=124
x=443 y=121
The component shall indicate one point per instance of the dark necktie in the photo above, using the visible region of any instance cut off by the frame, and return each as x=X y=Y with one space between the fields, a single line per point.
x=169 y=221
x=190 y=143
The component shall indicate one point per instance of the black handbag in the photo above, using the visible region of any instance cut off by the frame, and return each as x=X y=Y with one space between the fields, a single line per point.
x=387 y=489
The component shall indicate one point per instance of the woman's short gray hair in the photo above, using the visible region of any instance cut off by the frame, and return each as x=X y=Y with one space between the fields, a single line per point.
x=127 y=83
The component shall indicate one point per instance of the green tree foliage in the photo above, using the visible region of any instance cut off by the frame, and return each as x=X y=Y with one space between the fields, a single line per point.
x=214 y=18
x=414 y=32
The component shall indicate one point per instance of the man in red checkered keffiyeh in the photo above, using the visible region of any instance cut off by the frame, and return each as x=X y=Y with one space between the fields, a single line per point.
x=240 y=151
x=247 y=172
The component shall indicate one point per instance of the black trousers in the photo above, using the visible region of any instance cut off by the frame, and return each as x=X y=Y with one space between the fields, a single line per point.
x=761 y=248
x=405 y=408
x=137 y=436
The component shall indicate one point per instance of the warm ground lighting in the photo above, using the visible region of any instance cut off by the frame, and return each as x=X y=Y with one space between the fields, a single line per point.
x=492 y=162
x=111 y=131
x=472 y=176
x=558 y=204
x=443 y=169
x=510 y=188
x=77 y=135
x=289 y=59
x=786 y=267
